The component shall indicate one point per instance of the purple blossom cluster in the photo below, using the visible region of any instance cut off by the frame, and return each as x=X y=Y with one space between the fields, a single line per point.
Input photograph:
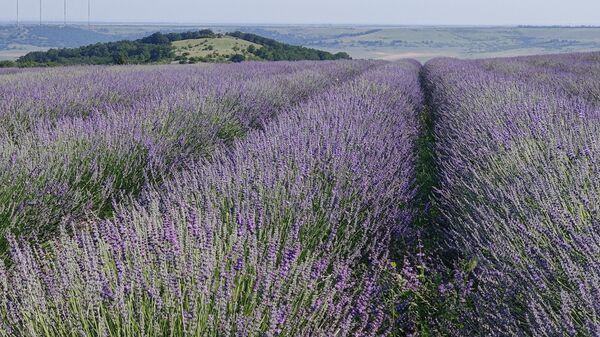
x=518 y=160
x=280 y=231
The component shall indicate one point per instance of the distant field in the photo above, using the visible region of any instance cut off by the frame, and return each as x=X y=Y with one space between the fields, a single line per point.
x=16 y=50
x=423 y=43
x=225 y=46
x=370 y=42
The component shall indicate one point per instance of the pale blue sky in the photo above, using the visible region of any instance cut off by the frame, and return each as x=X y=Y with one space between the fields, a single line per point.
x=452 y=12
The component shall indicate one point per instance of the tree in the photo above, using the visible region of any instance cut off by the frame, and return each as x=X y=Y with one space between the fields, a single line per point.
x=342 y=56
x=120 y=58
x=237 y=58
x=7 y=64
x=156 y=38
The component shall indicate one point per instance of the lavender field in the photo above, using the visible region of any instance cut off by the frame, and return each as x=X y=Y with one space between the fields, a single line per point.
x=334 y=198
x=518 y=162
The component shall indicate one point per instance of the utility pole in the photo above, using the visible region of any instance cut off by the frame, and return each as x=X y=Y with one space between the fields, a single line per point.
x=40 y=12
x=17 y=13
x=89 y=13
x=65 y=11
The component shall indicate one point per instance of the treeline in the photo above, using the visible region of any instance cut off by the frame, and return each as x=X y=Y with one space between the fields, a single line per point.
x=276 y=51
x=157 y=48
x=160 y=38
x=121 y=52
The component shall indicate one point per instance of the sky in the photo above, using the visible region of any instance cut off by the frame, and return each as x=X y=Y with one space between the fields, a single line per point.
x=389 y=12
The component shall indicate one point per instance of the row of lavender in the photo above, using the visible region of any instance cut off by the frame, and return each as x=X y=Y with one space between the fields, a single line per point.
x=74 y=141
x=574 y=76
x=518 y=160
x=287 y=234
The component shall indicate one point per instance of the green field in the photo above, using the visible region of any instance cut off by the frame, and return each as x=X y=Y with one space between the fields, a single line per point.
x=213 y=48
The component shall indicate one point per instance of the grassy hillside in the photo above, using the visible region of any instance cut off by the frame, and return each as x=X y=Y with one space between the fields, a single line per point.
x=217 y=49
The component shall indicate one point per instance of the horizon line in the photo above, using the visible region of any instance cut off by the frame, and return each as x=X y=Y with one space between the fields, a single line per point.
x=225 y=24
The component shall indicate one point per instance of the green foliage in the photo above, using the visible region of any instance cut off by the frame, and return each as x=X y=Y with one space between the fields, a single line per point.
x=159 y=38
x=7 y=64
x=120 y=58
x=237 y=58
x=122 y=52
x=276 y=51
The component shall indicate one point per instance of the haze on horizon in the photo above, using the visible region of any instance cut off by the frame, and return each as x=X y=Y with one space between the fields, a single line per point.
x=375 y=12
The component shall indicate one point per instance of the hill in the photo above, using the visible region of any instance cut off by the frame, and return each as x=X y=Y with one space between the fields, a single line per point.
x=217 y=49
x=186 y=47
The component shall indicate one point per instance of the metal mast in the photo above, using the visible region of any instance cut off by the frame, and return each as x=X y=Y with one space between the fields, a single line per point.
x=65 y=12
x=17 y=13
x=89 y=13
x=40 y=12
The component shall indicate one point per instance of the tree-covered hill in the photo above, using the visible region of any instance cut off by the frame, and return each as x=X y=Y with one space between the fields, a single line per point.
x=161 y=48
x=273 y=50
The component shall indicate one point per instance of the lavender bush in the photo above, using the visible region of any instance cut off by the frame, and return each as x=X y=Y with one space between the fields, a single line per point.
x=286 y=234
